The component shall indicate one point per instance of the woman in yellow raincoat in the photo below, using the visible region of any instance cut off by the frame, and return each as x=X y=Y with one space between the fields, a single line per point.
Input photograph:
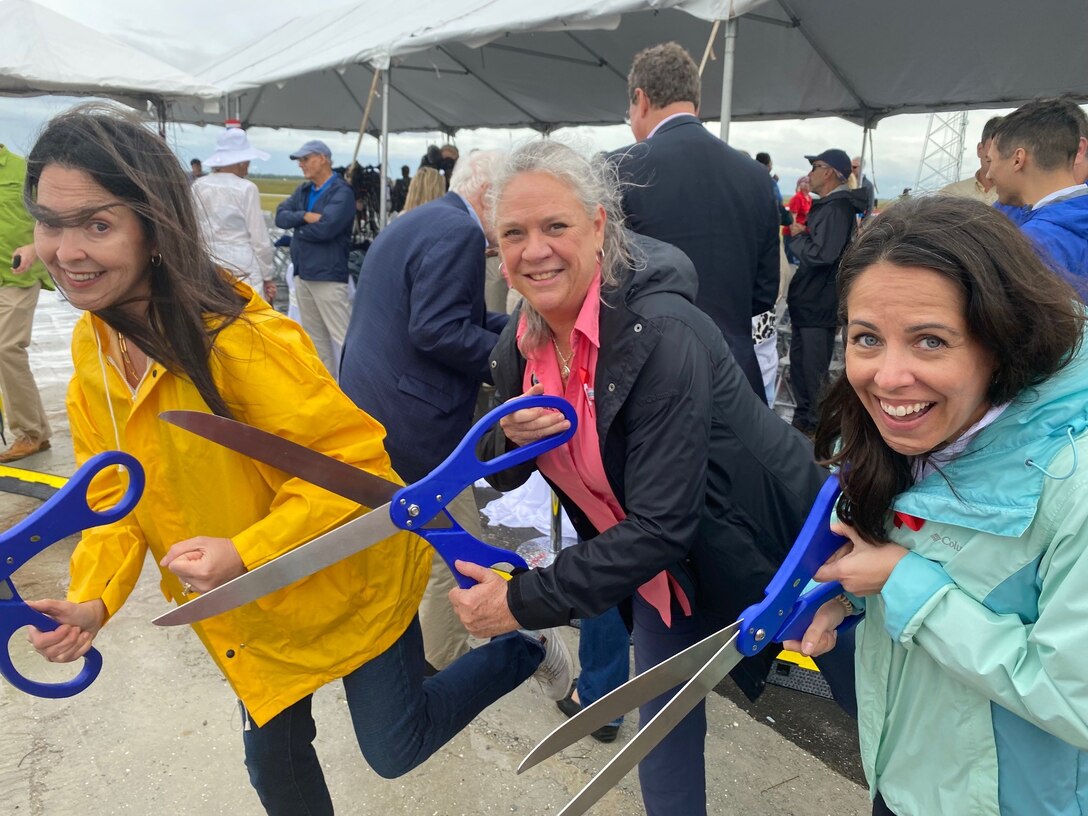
x=165 y=329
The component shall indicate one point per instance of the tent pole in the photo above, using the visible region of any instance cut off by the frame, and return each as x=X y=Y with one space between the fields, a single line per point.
x=709 y=45
x=864 y=137
x=366 y=115
x=727 y=76
x=160 y=110
x=385 y=149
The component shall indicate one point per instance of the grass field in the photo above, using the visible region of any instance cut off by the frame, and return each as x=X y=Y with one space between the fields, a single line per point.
x=275 y=190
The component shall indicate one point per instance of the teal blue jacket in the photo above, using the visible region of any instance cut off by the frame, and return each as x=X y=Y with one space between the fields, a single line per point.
x=973 y=660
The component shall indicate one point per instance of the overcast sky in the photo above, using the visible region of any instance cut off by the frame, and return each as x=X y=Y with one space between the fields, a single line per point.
x=190 y=33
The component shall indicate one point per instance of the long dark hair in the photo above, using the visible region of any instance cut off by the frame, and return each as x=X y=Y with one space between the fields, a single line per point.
x=1026 y=316
x=191 y=300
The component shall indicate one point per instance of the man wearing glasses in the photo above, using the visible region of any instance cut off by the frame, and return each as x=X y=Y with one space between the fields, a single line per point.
x=819 y=244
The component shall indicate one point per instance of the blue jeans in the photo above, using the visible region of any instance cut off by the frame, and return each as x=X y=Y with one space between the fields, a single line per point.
x=400 y=717
x=673 y=774
x=604 y=649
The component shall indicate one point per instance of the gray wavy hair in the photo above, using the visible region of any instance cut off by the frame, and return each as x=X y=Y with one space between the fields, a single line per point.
x=594 y=182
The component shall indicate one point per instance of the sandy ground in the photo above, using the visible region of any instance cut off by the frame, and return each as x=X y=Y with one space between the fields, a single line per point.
x=159 y=730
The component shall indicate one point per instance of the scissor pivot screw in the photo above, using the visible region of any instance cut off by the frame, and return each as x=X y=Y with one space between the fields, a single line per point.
x=760 y=634
x=413 y=510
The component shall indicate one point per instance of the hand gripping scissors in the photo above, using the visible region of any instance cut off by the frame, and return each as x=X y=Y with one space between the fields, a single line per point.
x=783 y=614
x=419 y=508
x=65 y=513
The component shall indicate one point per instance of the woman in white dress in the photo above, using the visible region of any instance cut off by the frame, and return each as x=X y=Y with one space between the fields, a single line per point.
x=229 y=209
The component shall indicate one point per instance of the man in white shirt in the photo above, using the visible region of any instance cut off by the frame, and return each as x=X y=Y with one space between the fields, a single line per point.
x=978 y=186
x=231 y=219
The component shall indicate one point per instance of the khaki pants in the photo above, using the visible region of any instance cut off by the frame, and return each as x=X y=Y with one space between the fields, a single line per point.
x=444 y=638
x=23 y=408
x=324 y=310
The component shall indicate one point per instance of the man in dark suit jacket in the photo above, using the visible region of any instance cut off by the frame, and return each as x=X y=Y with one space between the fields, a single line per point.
x=687 y=187
x=417 y=349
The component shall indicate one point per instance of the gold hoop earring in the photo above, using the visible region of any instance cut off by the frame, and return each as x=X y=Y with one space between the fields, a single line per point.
x=156 y=259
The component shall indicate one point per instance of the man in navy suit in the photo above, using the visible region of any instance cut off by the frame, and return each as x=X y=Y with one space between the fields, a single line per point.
x=685 y=186
x=417 y=349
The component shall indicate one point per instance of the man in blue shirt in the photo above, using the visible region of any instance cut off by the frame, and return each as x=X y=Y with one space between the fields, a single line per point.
x=321 y=211
x=1031 y=163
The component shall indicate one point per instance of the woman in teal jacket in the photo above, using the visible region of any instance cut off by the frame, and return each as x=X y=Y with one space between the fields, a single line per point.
x=959 y=427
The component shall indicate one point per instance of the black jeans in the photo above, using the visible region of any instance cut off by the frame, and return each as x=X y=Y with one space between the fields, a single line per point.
x=811 y=349
x=881 y=809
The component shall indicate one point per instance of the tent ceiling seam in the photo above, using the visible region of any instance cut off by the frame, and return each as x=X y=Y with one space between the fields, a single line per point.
x=542 y=55
x=442 y=49
x=444 y=126
x=604 y=62
x=864 y=108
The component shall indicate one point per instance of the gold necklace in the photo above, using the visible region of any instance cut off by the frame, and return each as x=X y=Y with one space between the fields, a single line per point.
x=130 y=368
x=564 y=362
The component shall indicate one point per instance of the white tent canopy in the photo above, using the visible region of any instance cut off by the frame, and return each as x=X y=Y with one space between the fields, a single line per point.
x=43 y=52
x=506 y=63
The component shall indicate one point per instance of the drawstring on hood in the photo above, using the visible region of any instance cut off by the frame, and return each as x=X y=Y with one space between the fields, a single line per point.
x=106 y=389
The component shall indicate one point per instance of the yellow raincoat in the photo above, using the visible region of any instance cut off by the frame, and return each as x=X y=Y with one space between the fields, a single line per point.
x=284 y=646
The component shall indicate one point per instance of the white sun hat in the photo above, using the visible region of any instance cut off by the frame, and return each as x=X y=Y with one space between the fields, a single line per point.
x=233 y=147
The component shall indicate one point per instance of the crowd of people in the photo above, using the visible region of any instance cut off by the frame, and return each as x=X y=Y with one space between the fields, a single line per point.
x=649 y=283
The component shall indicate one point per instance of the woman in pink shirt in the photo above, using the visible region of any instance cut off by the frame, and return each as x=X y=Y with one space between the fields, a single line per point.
x=685 y=489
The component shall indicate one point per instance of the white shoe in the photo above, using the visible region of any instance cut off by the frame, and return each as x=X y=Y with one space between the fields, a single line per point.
x=556 y=671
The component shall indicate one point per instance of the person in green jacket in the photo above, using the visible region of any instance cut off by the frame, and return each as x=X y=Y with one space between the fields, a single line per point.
x=21 y=279
x=960 y=430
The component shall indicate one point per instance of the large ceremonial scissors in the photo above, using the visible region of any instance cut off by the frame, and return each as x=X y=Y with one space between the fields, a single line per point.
x=419 y=508
x=67 y=512
x=783 y=614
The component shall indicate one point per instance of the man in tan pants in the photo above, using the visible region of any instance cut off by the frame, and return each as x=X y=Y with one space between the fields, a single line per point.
x=21 y=279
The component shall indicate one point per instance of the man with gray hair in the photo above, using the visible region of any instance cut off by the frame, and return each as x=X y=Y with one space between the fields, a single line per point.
x=417 y=350
x=685 y=186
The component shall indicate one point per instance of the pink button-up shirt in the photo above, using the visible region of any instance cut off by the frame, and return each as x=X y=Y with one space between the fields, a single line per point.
x=576 y=467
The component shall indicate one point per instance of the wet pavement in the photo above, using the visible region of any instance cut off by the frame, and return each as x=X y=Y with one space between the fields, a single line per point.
x=159 y=729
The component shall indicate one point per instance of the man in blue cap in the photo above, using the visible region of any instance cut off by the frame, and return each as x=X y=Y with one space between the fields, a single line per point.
x=812 y=299
x=321 y=212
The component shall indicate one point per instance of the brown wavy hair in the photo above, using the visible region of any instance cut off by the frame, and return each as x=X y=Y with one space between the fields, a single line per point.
x=191 y=299
x=1026 y=316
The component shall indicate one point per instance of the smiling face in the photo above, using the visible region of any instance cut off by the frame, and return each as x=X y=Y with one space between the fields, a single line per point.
x=101 y=259
x=549 y=245
x=911 y=359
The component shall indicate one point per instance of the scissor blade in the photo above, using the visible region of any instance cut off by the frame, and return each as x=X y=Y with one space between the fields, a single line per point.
x=323 y=551
x=655 y=730
x=651 y=683
x=5 y=591
x=290 y=457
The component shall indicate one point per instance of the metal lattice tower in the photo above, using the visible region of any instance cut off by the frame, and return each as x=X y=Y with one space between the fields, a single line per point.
x=942 y=154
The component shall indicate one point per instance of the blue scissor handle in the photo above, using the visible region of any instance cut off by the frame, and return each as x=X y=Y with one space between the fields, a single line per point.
x=68 y=512
x=413 y=506
x=800 y=618
x=16 y=614
x=764 y=621
x=65 y=513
